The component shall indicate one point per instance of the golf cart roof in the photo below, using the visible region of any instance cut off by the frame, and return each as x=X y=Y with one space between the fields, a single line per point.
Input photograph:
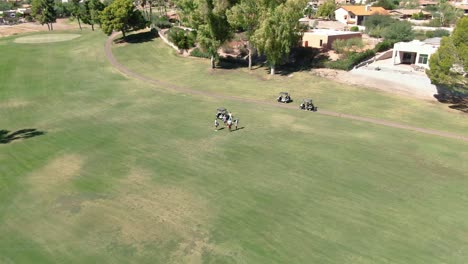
x=221 y=109
x=307 y=100
x=283 y=93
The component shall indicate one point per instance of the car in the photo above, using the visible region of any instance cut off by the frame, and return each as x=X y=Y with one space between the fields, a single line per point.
x=284 y=98
x=307 y=105
x=221 y=112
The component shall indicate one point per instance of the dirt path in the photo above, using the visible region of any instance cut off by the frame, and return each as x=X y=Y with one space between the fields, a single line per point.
x=132 y=74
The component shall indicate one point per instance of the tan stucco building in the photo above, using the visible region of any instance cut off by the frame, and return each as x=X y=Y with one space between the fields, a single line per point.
x=323 y=38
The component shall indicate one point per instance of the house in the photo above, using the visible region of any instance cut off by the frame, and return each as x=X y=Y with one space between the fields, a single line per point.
x=415 y=52
x=462 y=6
x=356 y=14
x=408 y=13
x=323 y=38
x=426 y=3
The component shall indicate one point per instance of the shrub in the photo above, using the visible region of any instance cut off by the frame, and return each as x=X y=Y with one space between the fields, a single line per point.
x=384 y=45
x=339 y=46
x=183 y=39
x=399 y=31
x=161 y=22
x=351 y=60
x=354 y=29
x=196 y=52
x=418 y=16
x=438 y=33
x=429 y=34
x=348 y=45
x=433 y=23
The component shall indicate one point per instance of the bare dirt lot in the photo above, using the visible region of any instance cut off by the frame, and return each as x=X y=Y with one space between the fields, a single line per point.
x=8 y=30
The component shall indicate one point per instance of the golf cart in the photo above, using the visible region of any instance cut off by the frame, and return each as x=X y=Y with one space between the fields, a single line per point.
x=221 y=112
x=307 y=105
x=284 y=98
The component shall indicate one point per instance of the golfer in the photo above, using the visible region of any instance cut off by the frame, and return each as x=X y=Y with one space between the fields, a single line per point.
x=229 y=124
x=216 y=124
x=224 y=119
x=236 y=123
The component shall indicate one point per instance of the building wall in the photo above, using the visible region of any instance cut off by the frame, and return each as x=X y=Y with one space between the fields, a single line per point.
x=416 y=51
x=331 y=39
x=341 y=15
x=313 y=40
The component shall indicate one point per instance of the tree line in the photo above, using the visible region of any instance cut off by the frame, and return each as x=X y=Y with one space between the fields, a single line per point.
x=118 y=15
x=270 y=26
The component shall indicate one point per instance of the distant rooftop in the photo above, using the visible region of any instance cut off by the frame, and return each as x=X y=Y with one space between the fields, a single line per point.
x=433 y=41
x=330 y=32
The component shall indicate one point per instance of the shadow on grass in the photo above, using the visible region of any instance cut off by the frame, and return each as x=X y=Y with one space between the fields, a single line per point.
x=239 y=128
x=458 y=100
x=303 y=59
x=231 y=63
x=140 y=37
x=6 y=137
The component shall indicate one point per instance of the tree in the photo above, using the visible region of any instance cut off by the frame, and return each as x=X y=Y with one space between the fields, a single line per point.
x=121 y=15
x=374 y=21
x=189 y=13
x=447 y=13
x=327 y=9
x=183 y=39
x=215 y=30
x=386 y=4
x=4 y=5
x=279 y=31
x=399 y=31
x=91 y=12
x=76 y=9
x=44 y=12
x=448 y=66
x=246 y=16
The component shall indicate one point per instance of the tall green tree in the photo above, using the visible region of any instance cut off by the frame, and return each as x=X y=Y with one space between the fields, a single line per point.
x=399 y=31
x=279 y=31
x=77 y=10
x=215 y=29
x=246 y=15
x=121 y=15
x=449 y=65
x=386 y=4
x=91 y=12
x=447 y=13
x=44 y=12
x=327 y=9
x=189 y=13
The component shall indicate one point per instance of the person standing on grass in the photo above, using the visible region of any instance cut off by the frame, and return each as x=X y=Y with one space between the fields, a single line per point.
x=229 y=124
x=236 y=123
x=216 y=124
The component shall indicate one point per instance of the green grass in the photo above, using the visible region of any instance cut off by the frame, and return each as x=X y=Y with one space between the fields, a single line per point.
x=156 y=60
x=131 y=173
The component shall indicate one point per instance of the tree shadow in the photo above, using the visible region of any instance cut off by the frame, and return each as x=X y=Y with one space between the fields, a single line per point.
x=303 y=59
x=457 y=99
x=140 y=37
x=6 y=137
x=231 y=63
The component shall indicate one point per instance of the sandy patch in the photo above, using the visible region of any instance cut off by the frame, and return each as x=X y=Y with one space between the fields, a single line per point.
x=56 y=173
x=46 y=38
x=416 y=86
x=14 y=104
x=61 y=24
